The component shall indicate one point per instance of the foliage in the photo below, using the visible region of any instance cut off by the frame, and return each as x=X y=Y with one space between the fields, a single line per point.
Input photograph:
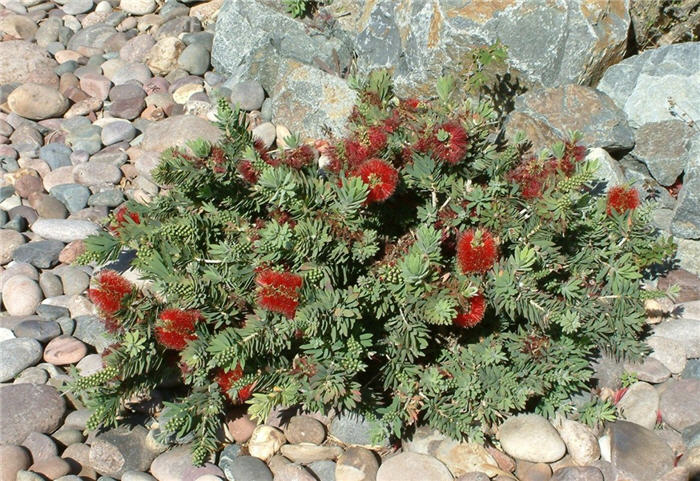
x=303 y=8
x=421 y=274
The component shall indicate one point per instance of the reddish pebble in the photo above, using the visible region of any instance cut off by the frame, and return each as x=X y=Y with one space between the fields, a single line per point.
x=64 y=350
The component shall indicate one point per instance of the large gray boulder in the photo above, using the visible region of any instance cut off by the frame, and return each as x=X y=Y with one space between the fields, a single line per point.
x=643 y=84
x=550 y=43
x=308 y=100
x=686 y=218
x=257 y=39
x=547 y=115
x=418 y=40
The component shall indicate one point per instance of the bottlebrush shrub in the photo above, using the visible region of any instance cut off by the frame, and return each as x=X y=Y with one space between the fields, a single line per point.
x=422 y=273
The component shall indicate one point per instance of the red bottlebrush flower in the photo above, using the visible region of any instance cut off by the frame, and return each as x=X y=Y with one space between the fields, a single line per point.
x=476 y=251
x=449 y=142
x=123 y=213
x=578 y=152
x=380 y=177
x=355 y=152
x=226 y=379
x=411 y=104
x=246 y=169
x=283 y=217
x=622 y=199
x=259 y=147
x=111 y=290
x=377 y=139
x=390 y=124
x=177 y=328
x=532 y=175
x=299 y=157
x=218 y=160
x=475 y=313
x=279 y=291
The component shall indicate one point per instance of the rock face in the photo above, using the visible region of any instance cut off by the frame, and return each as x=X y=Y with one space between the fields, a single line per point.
x=546 y=116
x=686 y=218
x=664 y=147
x=421 y=38
x=265 y=39
x=28 y=408
x=638 y=452
x=417 y=40
x=307 y=99
x=640 y=85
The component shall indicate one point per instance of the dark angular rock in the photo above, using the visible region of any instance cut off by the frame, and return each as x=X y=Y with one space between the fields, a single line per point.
x=547 y=115
x=638 y=452
x=665 y=148
x=41 y=254
x=686 y=218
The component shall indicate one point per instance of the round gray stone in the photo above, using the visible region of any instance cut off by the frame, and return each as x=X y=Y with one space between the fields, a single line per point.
x=194 y=59
x=73 y=196
x=64 y=230
x=249 y=95
x=115 y=132
x=17 y=355
x=42 y=331
x=244 y=468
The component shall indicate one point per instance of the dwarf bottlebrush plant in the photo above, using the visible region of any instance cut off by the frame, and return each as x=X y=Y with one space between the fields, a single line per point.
x=421 y=273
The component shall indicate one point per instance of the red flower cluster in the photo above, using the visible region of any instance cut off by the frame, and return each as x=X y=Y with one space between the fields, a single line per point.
x=177 y=328
x=476 y=251
x=534 y=175
x=246 y=169
x=299 y=157
x=225 y=380
x=377 y=139
x=123 y=216
x=411 y=104
x=279 y=291
x=473 y=316
x=355 y=152
x=380 y=177
x=218 y=160
x=108 y=296
x=621 y=199
x=453 y=148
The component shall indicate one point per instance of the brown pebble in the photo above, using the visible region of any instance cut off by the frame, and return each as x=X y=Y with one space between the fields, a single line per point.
x=64 y=350
x=53 y=467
